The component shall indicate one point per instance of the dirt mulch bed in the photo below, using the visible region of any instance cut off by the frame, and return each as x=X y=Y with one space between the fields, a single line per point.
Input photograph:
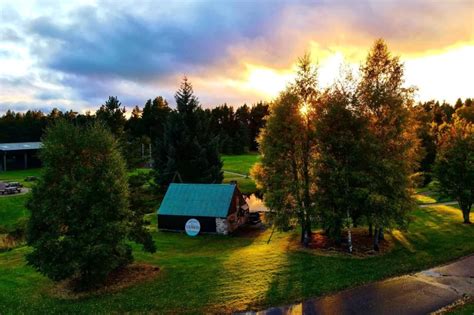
x=362 y=243
x=116 y=281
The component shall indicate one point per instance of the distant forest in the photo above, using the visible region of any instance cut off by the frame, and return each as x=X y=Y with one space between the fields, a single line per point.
x=236 y=128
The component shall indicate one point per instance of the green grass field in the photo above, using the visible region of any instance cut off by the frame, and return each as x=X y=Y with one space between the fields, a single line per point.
x=239 y=163
x=216 y=273
x=246 y=185
x=20 y=175
x=466 y=309
x=12 y=209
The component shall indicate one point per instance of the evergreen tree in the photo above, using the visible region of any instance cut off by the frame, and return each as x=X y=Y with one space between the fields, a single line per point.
x=258 y=115
x=134 y=124
x=155 y=114
x=113 y=115
x=188 y=151
x=80 y=214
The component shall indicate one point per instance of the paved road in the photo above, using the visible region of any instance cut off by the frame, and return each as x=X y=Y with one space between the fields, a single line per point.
x=420 y=293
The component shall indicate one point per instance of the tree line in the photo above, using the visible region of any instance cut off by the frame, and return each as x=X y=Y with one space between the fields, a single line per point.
x=236 y=129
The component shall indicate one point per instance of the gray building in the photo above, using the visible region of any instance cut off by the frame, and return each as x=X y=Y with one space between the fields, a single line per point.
x=19 y=155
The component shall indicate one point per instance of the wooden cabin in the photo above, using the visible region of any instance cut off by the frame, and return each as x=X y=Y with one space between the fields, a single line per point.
x=219 y=208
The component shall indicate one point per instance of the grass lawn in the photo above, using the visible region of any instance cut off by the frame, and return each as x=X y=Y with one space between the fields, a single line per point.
x=423 y=199
x=20 y=175
x=246 y=185
x=466 y=309
x=216 y=273
x=239 y=163
x=12 y=208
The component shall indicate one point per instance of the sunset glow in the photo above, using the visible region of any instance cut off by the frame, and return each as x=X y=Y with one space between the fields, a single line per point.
x=77 y=54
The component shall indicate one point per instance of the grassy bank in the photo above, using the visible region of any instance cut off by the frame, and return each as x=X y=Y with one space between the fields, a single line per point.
x=215 y=273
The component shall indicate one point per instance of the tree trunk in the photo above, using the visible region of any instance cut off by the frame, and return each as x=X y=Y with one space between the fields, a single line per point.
x=308 y=225
x=465 y=214
x=381 y=236
x=303 y=227
x=376 y=239
x=466 y=209
x=349 y=232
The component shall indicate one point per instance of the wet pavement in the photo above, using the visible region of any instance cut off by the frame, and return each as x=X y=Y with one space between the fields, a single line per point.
x=420 y=293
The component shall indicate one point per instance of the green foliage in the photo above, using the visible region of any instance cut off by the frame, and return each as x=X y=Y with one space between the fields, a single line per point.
x=341 y=168
x=349 y=150
x=80 y=215
x=454 y=168
x=285 y=174
x=141 y=202
x=154 y=118
x=392 y=148
x=231 y=127
x=188 y=151
x=113 y=116
x=280 y=174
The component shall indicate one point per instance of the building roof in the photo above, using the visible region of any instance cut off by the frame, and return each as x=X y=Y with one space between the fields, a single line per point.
x=20 y=146
x=204 y=200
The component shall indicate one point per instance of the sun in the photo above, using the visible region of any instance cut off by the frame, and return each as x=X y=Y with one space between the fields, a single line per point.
x=304 y=110
x=266 y=81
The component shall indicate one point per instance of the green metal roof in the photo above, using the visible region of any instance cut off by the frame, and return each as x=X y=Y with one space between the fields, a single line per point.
x=205 y=200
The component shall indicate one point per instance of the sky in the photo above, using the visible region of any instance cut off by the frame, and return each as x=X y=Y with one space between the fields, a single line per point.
x=74 y=54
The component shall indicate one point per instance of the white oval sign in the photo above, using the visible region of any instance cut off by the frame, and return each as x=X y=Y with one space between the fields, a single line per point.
x=192 y=227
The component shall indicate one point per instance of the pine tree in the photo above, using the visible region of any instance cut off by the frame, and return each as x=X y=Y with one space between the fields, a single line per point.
x=188 y=151
x=113 y=115
x=80 y=212
x=155 y=114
